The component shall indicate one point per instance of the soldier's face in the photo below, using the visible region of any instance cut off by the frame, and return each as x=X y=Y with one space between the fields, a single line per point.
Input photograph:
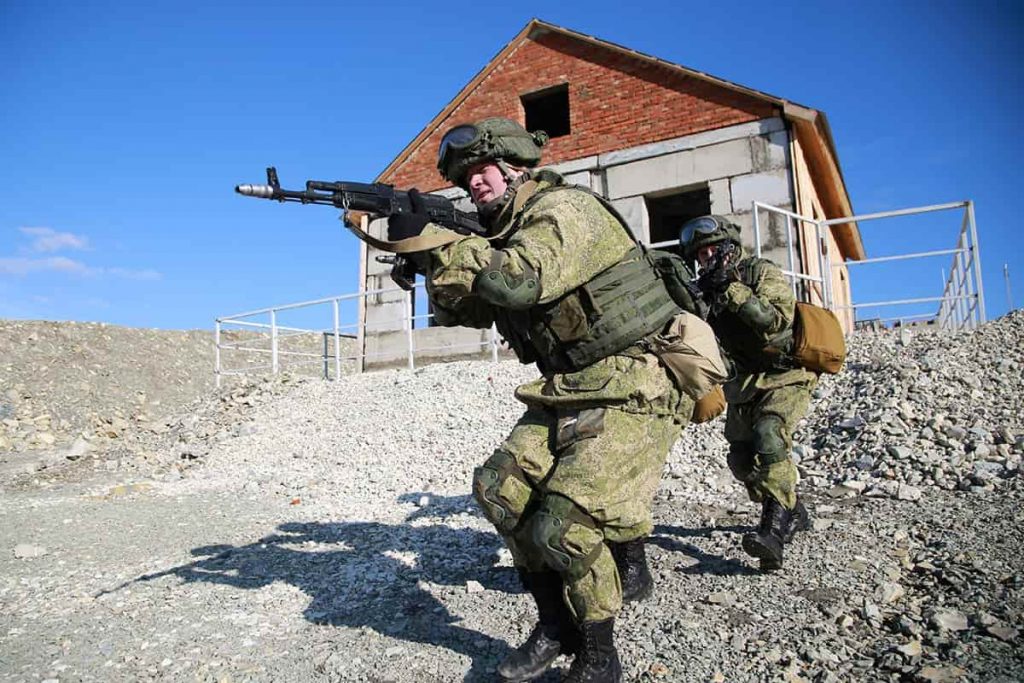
x=704 y=254
x=485 y=182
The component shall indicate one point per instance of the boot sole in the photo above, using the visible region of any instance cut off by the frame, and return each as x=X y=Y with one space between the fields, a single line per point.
x=753 y=546
x=530 y=677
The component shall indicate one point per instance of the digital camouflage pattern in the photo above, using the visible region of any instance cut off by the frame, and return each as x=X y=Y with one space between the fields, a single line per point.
x=567 y=237
x=591 y=445
x=757 y=395
x=788 y=403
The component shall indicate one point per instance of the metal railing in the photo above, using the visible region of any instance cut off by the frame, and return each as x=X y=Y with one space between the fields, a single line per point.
x=266 y=339
x=962 y=302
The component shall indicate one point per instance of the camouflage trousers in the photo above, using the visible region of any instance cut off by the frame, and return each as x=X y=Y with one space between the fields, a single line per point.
x=580 y=469
x=760 y=434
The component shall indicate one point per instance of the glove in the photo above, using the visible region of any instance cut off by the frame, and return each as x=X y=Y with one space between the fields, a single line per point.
x=716 y=281
x=405 y=225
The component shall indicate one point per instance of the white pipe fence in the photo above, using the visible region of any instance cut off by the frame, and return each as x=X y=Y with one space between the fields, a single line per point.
x=962 y=302
x=253 y=336
x=961 y=305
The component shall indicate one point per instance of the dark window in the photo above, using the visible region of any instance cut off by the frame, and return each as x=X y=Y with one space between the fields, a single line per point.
x=548 y=110
x=666 y=213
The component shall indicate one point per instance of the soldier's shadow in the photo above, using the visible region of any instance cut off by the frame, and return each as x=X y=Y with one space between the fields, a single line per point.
x=369 y=574
x=670 y=538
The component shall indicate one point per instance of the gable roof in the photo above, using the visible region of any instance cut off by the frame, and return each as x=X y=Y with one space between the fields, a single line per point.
x=810 y=125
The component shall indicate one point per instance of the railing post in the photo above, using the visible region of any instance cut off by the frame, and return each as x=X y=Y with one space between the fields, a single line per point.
x=970 y=302
x=941 y=316
x=324 y=357
x=408 y=327
x=337 y=340
x=494 y=343
x=273 y=342
x=757 y=232
x=976 y=253
x=216 y=353
x=789 y=252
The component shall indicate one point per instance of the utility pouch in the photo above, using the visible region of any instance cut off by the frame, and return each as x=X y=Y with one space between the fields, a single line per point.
x=568 y=320
x=818 y=342
x=709 y=406
x=689 y=350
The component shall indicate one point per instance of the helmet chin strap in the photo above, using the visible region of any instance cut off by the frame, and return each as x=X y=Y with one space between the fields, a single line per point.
x=488 y=211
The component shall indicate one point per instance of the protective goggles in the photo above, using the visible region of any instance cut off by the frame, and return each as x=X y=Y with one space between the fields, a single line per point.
x=705 y=225
x=457 y=139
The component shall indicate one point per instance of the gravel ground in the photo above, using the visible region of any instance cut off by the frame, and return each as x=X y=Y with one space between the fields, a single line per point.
x=301 y=530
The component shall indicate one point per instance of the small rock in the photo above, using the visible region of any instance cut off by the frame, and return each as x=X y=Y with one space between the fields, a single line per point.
x=911 y=649
x=889 y=593
x=723 y=598
x=78 y=449
x=474 y=587
x=25 y=551
x=658 y=670
x=941 y=674
x=949 y=620
x=1005 y=633
x=908 y=492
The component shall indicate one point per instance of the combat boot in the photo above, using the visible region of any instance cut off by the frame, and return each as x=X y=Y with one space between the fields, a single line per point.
x=597 y=660
x=797 y=519
x=631 y=561
x=766 y=543
x=554 y=633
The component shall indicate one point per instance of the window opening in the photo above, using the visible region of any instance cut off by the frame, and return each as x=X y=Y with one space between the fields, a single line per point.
x=548 y=110
x=666 y=213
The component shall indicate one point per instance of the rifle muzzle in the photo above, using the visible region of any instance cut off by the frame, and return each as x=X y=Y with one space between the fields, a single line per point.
x=261 y=191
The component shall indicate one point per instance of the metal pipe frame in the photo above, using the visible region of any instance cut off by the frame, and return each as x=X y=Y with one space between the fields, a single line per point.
x=791 y=254
x=891 y=214
x=894 y=302
x=902 y=257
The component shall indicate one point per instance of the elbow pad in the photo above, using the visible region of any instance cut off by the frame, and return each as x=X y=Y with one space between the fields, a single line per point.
x=757 y=315
x=496 y=285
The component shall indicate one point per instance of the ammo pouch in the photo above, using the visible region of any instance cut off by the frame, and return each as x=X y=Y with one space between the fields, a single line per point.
x=610 y=313
x=818 y=342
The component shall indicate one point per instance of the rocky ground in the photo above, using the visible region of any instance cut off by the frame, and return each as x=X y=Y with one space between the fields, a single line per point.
x=295 y=529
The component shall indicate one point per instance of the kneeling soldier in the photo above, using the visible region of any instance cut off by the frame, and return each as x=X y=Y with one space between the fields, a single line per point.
x=569 y=289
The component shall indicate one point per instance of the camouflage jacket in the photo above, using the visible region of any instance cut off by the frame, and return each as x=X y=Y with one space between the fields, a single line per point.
x=754 y=310
x=566 y=238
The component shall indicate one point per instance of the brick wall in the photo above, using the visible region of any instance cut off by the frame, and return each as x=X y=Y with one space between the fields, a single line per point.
x=616 y=101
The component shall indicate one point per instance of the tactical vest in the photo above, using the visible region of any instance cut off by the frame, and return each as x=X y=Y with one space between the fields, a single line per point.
x=745 y=349
x=608 y=314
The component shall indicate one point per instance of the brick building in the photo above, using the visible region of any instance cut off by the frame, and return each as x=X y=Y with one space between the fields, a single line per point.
x=663 y=142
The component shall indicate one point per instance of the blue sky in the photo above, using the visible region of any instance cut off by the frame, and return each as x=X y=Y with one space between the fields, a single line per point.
x=125 y=128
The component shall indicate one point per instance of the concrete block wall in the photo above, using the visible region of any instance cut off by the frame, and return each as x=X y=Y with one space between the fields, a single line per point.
x=739 y=164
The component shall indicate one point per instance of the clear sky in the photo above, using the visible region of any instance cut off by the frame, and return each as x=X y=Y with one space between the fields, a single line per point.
x=125 y=126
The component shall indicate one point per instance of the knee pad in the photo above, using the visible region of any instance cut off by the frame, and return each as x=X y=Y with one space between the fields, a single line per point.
x=502 y=491
x=770 y=440
x=557 y=519
x=741 y=460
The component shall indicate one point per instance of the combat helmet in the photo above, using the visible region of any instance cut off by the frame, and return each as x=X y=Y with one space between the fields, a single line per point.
x=494 y=139
x=704 y=231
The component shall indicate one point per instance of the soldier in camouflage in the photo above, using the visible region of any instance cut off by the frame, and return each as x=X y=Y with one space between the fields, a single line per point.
x=570 y=290
x=752 y=308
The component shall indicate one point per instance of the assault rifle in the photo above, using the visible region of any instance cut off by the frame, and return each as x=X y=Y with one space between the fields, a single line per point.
x=713 y=273
x=374 y=199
